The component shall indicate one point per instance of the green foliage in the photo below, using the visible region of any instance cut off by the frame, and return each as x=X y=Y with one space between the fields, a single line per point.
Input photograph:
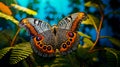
x=90 y=4
x=91 y=20
x=5 y=38
x=113 y=57
x=115 y=41
x=87 y=43
x=20 y=52
x=84 y=35
x=58 y=61
x=4 y=51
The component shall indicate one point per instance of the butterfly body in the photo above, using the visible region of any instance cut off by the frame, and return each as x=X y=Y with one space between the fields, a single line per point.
x=46 y=39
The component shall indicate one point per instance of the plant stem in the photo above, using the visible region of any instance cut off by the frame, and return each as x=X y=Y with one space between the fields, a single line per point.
x=99 y=28
x=13 y=40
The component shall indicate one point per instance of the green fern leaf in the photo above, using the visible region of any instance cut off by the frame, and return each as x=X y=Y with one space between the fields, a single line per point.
x=4 y=51
x=20 y=52
x=115 y=54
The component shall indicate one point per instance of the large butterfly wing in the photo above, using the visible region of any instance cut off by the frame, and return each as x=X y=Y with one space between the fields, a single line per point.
x=42 y=40
x=67 y=35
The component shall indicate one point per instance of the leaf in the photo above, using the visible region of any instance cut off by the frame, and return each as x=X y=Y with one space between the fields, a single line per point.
x=8 y=17
x=91 y=20
x=5 y=9
x=84 y=35
x=58 y=61
x=82 y=52
x=115 y=41
x=87 y=43
x=89 y=4
x=115 y=53
x=4 y=51
x=5 y=38
x=29 y=11
x=20 y=52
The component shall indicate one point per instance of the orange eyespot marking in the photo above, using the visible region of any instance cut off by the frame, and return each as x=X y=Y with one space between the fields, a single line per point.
x=77 y=21
x=41 y=46
x=44 y=47
x=64 y=47
x=71 y=36
x=68 y=44
x=38 y=38
x=38 y=44
x=50 y=49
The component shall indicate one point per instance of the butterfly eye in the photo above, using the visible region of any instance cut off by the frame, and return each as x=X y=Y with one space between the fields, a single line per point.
x=38 y=38
x=70 y=34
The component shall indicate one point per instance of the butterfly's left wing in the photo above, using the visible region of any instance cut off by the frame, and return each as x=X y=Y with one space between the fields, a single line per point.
x=42 y=39
x=67 y=35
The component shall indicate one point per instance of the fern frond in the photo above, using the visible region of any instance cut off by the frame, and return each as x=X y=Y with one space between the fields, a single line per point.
x=20 y=52
x=4 y=51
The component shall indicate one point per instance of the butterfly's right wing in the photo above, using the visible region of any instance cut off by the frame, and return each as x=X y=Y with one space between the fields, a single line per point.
x=67 y=35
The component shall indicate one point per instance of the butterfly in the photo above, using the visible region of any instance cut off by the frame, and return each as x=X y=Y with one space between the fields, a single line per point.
x=46 y=39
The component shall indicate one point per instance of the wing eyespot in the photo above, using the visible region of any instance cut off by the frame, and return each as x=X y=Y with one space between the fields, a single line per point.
x=70 y=34
x=49 y=47
x=68 y=42
x=38 y=38
x=71 y=39
x=44 y=47
x=64 y=46
x=41 y=45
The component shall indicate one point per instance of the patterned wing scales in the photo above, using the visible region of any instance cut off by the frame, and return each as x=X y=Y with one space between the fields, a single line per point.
x=67 y=30
x=43 y=39
x=38 y=25
x=72 y=20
